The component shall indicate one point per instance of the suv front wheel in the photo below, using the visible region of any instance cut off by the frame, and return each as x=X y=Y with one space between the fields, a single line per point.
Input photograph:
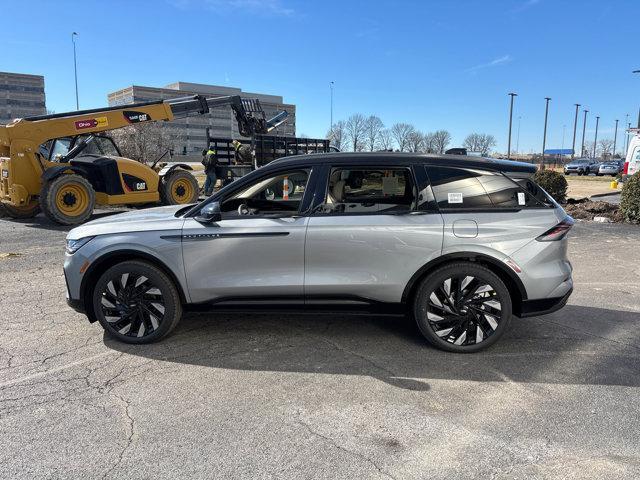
x=136 y=302
x=462 y=307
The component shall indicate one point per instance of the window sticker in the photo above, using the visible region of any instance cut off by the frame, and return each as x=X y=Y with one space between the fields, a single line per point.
x=455 y=197
x=522 y=200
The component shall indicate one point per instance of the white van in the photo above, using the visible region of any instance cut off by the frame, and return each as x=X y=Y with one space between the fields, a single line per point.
x=632 y=162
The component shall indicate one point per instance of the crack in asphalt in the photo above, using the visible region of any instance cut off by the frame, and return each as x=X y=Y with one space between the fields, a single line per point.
x=130 y=434
x=352 y=453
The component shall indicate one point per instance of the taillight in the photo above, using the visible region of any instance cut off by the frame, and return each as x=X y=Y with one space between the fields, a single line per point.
x=625 y=170
x=558 y=232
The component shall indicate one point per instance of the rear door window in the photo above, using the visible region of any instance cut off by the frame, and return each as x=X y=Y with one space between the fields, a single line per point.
x=369 y=190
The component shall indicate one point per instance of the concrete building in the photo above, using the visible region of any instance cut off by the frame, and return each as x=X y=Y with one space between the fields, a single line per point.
x=189 y=134
x=21 y=96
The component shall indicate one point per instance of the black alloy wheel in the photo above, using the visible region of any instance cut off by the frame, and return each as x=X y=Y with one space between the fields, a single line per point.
x=136 y=302
x=463 y=307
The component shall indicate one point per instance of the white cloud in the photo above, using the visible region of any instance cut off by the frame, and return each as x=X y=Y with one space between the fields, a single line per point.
x=493 y=63
x=256 y=7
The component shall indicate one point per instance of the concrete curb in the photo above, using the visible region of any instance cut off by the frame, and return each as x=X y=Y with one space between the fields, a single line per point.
x=597 y=195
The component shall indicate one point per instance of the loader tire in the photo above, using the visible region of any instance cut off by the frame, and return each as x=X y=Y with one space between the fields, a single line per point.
x=19 y=213
x=179 y=187
x=68 y=199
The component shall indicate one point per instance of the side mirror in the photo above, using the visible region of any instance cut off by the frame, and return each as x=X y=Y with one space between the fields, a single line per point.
x=210 y=213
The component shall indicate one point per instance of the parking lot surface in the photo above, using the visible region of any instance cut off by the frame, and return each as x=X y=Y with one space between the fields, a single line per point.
x=319 y=397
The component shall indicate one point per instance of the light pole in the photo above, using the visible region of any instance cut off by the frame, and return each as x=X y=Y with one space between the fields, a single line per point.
x=510 y=122
x=595 y=139
x=575 y=125
x=638 y=71
x=584 y=128
x=544 y=135
x=518 y=136
x=615 y=140
x=75 y=67
x=626 y=135
x=331 y=88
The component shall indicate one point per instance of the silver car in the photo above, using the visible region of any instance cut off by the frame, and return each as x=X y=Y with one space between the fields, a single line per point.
x=459 y=243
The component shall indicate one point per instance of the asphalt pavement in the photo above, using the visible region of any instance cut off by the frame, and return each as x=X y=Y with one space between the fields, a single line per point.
x=319 y=397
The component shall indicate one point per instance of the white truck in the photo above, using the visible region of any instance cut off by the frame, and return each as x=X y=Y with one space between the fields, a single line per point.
x=632 y=162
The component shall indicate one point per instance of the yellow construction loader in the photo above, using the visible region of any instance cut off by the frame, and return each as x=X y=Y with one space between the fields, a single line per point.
x=65 y=165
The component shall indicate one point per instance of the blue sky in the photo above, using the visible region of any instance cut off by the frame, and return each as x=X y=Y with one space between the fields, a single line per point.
x=435 y=64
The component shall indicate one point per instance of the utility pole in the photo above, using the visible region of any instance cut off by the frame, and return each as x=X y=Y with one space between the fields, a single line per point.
x=331 y=88
x=615 y=140
x=595 y=139
x=510 y=121
x=626 y=135
x=584 y=128
x=575 y=125
x=518 y=136
x=638 y=71
x=544 y=136
x=75 y=67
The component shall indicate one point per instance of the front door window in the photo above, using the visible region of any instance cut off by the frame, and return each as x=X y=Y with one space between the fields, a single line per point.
x=276 y=195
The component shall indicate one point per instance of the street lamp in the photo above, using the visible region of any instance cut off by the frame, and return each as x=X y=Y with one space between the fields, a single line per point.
x=575 y=125
x=510 y=122
x=331 y=88
x=518 y=136
x=75 y=67
x=544 y=136
x=595 y=139
x=615 y=140
x=626 y=135
x=584 y=128
x=638 y=71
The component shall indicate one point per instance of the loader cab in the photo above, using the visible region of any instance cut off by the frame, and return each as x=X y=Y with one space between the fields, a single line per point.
x=65 y=148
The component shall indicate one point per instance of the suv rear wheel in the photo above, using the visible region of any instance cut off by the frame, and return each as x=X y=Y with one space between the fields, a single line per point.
x=136 y=302
x=462 y=307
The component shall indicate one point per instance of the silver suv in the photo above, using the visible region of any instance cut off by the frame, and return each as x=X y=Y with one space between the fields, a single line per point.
x=460 y=243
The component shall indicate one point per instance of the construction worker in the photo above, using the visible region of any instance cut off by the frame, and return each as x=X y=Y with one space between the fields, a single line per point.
x=242 y=153
x=210 y=162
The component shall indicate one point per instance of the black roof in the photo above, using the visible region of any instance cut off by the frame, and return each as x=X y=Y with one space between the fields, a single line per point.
x=355 y=158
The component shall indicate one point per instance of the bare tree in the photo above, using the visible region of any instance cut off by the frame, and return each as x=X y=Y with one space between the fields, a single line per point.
x=401 y=133
x=429 y=142
x=355 y=129
x=144 y=142
x=385 y=140
x=605 y=146
x=373 y=127
x=480 y=142
x=415 y=142
x=588 y=149
x=337 y=134
x=441 y=140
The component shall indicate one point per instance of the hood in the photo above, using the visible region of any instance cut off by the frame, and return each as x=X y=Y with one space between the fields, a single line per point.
x=149 y=219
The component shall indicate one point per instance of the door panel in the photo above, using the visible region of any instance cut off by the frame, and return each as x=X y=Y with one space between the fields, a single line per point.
x=368 y=256
x=244 y=257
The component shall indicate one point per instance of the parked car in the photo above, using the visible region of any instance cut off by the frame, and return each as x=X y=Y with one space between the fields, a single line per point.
x=460 y=243
x=612 y=168
x=581 y=166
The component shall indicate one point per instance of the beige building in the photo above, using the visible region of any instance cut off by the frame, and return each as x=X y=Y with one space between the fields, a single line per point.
x=21 y=95
x=189 y=133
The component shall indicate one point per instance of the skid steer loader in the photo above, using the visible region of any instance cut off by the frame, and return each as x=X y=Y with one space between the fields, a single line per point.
x=64 y=165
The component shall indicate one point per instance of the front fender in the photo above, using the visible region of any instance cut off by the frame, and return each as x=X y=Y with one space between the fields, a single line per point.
x=53 y=172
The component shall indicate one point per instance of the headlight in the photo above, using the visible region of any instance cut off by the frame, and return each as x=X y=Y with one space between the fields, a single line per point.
x=74 y=245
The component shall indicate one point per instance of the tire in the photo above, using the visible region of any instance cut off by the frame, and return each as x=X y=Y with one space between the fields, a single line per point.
x=179 y=187
x=68 y=199
x=136 y=302
x=20 y=213
x=466 y=321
